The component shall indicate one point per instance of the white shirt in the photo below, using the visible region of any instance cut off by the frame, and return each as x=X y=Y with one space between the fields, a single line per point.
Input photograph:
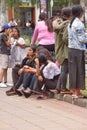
x=17 y=53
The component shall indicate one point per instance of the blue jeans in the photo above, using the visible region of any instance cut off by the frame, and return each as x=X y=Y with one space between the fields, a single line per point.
x=27 y=80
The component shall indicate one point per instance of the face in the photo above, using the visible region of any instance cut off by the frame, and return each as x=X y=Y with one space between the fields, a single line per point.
x=31 y=52
x=15 y=33
x=7 y=31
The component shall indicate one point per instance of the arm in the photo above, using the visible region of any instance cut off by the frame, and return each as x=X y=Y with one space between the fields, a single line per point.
x=82 y=37
x=20 y=42
x=20 y=45
x=35 y=35
x=8 y=40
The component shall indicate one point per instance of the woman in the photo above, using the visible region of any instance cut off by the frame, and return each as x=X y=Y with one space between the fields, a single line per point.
x=61 y=47
x=19 y=75
x=5 y=47
x=77 y=38
x=49 y=74
x=44 y=33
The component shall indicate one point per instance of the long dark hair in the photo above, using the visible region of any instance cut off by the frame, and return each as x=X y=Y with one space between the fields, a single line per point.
x=76 y=12
x=42 y=59
x=17 y=31
x=48 y=22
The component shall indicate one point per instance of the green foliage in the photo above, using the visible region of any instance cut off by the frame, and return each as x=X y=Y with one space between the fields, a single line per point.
x=34 y=1
x=12 y=3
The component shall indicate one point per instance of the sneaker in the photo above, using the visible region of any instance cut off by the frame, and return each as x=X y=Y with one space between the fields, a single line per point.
x=9 y=84
x=3 y=85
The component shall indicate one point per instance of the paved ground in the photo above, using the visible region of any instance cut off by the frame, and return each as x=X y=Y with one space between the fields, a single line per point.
x=18 y=113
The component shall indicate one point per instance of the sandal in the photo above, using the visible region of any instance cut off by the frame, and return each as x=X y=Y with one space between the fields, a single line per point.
x=19 y=93
x=27 y=94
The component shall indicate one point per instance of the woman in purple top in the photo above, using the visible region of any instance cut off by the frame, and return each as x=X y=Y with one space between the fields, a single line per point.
x=44 y=33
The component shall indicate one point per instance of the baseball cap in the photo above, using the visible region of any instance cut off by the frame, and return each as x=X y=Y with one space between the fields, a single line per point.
x=5 y=26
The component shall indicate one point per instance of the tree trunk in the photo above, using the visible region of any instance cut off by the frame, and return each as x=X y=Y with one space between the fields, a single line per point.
x=3 y=12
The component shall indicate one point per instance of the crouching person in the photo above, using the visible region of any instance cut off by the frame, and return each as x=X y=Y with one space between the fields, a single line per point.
x=48 y=75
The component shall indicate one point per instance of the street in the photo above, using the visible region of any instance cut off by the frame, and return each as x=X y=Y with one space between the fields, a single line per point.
x=19 y=113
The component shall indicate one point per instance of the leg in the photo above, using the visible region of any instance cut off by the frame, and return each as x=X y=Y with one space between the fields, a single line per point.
x=63 y=76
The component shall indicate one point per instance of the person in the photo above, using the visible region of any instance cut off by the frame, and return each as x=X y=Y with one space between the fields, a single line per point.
x=17 y=50
x=5 y=47
x=44 y=33
x=12 y=23
x=19 y=75
x=77 y=39
x=61 y=47
x=48 y=77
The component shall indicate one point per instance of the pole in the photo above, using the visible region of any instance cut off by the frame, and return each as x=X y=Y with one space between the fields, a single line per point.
x=51 y=7
x=84 y=14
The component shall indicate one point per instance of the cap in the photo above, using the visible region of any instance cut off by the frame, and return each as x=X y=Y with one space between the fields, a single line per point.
x=5 y=26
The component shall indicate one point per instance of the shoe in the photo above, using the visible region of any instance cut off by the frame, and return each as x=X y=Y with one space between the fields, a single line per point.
x=19 y=93
x=57 y=91
x=10 y=90
x=12 y=93
x=66 y=91
x=3 y=85
x=9 y=84
x=27 y=94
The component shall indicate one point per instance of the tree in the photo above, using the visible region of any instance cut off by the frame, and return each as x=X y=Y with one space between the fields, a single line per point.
x=3 y=12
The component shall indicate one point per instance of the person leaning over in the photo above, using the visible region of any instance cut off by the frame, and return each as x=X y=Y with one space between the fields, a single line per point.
x=48 y=76
x=61 y=47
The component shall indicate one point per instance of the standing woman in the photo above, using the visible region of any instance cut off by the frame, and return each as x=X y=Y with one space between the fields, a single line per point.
x=77 y=38
x=4 y=53
x=44 y=32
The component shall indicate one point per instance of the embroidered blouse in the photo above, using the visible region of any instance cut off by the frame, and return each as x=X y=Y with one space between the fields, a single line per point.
x=51 y=70
x=76 y=35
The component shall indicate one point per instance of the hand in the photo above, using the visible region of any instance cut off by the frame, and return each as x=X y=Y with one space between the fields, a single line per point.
x=40 y=78
x=20 y=71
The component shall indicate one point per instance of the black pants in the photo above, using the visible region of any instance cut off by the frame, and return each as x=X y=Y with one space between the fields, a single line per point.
x=49 y=83
x=17 y=79
x=62 y=81
x=76 y=60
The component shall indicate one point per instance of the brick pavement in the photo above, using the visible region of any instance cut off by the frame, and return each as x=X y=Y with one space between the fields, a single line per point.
x=18 y=113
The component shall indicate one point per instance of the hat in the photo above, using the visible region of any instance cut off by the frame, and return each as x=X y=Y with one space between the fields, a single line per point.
x=5 y=26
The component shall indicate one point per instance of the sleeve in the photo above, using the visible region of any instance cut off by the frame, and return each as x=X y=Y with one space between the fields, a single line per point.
x=35 y=35
x=65 y=35
x=81 y=35
x=4 y=38
x=50 y=71
x=21 y=41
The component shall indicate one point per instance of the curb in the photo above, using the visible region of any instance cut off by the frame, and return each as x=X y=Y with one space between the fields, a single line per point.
x=82 y=102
